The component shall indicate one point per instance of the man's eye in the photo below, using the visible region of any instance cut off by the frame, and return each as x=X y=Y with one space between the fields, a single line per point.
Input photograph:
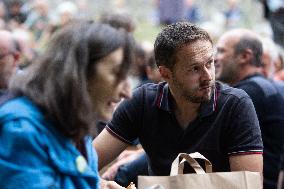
x=194 y=69
x=209 y=64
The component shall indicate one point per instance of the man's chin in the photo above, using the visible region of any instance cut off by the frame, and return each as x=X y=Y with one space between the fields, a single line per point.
x=204 y=99
x=201 y=99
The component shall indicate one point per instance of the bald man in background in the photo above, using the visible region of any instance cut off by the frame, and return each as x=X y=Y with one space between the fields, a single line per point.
x=8 y=58
x=239 y=52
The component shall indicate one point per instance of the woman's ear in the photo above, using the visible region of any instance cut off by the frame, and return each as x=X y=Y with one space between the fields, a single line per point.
x=165 y=72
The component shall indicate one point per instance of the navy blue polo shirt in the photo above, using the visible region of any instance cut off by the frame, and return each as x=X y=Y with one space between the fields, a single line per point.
x=267 y=97
x=227 y=125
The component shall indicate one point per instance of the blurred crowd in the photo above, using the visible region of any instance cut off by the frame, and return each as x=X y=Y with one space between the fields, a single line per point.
x=32 y=22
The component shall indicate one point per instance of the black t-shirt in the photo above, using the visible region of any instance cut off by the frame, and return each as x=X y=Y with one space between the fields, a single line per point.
x=269 y=105
x=227 y=125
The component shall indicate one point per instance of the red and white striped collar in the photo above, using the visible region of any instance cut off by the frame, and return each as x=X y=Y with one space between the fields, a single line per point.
x=163 y=98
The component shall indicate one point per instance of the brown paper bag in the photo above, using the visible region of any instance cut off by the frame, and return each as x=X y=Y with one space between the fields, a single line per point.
x=201 y=180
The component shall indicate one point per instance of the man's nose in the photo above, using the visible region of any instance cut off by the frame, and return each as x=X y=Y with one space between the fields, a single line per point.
x=207 y=74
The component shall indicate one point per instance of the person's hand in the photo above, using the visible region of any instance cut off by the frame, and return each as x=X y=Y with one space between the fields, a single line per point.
x=110 y=173
x=125 y=157
x=109 y=185
x=126 y=154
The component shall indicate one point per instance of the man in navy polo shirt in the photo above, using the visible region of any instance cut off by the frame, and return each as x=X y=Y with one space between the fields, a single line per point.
x=239 y=52
x=190 y=112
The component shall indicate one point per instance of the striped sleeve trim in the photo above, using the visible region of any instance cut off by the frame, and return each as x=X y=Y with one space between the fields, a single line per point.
x=246 y=152
x=117 y=136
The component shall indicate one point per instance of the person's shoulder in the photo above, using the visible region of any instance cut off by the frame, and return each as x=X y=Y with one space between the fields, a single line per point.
x=19 y=107
x=22 y=113
x=280 y=86
x=149 y=89
x=227 y=91
x=151 y=86
x=258 y=85
x=256 y=80
x=19 y=122
x=145 y=94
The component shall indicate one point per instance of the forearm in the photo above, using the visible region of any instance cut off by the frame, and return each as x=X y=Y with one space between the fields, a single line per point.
x=108 y=148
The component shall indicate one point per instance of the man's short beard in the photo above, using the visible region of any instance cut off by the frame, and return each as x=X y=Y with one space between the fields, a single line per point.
x=190 y=96
x=200 y=99
x=226 y=79
x=230 y=74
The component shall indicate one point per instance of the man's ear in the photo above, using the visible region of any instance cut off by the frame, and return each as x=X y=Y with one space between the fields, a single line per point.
x=165 y=72
x=246 y=56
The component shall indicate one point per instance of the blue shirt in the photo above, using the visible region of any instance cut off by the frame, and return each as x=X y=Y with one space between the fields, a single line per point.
x=225 y=126
x=34 y=155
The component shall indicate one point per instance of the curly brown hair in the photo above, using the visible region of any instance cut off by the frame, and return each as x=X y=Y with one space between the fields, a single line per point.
x=173 y=37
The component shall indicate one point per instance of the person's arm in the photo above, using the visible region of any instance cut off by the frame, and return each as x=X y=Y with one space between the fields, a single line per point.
x=250 y=162
x=104 y=184
x=121 y=131
x=108 y=147
x=125 y=157
x=243 y=137
x=280 y=184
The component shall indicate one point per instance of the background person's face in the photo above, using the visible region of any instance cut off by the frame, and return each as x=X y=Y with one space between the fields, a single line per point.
x=193 y=76
x=7 y=60
x=104 y=88
x=225 y=56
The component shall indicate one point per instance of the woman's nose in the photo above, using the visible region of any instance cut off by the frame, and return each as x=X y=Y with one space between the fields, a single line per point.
x=126 y=91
